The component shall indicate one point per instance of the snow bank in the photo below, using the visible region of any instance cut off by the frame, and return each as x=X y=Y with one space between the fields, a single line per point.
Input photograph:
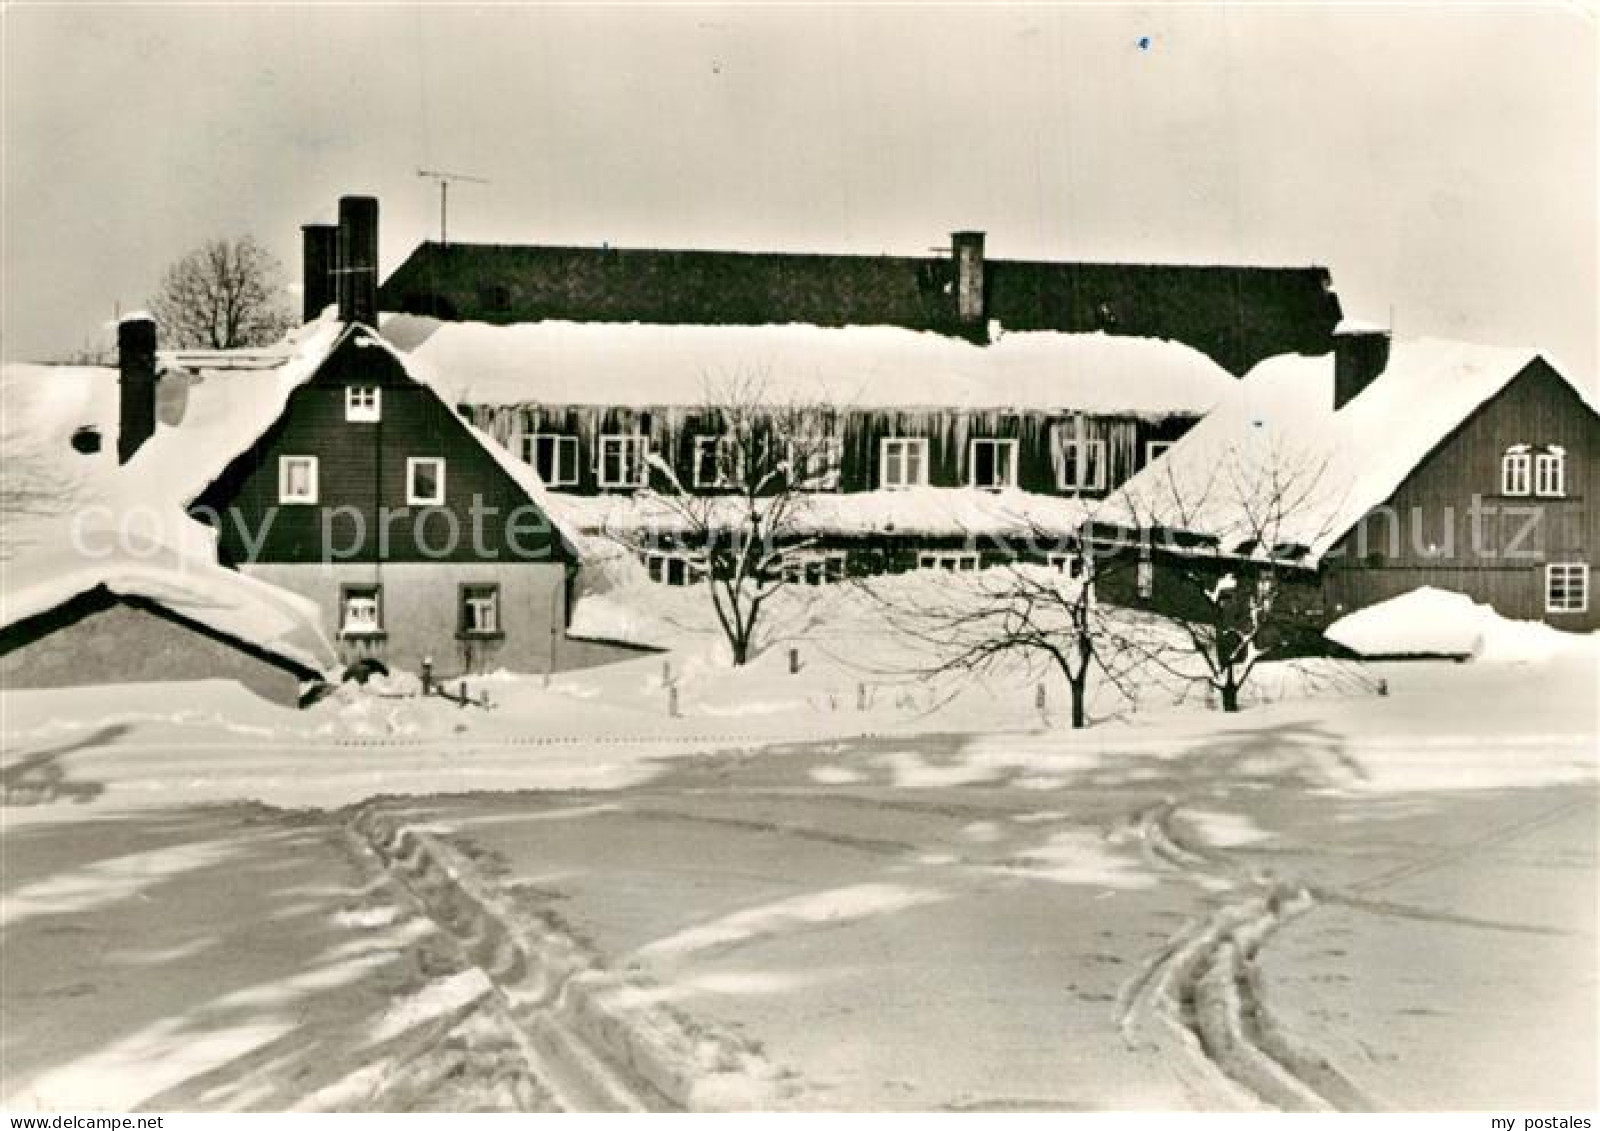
x=555 y=362
x=1438 y=622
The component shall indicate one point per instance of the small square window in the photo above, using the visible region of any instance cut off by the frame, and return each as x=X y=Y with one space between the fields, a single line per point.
x=361 y=612
x=363 y=404
x=554 y=457
x=669 y=568
x=425 y=481
x=297 y=479
x=480 y=610
x=1566 y=587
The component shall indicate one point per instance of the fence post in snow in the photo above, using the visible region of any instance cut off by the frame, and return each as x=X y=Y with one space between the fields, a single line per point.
x=666 y=673
x=672 y=700
x=794 y=660
x=1038 y=698
x=861 y=697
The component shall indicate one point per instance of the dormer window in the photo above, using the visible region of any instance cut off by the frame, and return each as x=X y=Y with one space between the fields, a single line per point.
x=1516 y=471
x=1550 y=472
x=363 y=404
x=992 y=464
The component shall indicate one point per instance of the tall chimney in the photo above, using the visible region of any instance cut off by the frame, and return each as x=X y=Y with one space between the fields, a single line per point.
x=319 y=256
x=967 y=247
x=1360 y=354
x=136 y=364
x=358 y=259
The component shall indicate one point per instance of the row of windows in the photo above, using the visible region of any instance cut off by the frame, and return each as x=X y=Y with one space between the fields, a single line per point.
x=1524 y=471
x=623 y=461
x=297 y=480
x=477 y=611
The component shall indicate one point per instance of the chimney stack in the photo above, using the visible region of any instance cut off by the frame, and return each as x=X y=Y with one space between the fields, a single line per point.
x=136 y=364
x=1360 y=354
x=319 y=256
x=967 y=248
x=358 y=259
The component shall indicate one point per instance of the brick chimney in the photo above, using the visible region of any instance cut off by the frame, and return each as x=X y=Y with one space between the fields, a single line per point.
x=1360 y=354
x=136 y=364
x=319 y=255
x=967 y=249
x=358 y=259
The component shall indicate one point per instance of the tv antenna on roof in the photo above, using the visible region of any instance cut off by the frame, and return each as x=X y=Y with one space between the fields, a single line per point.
x=445 y=178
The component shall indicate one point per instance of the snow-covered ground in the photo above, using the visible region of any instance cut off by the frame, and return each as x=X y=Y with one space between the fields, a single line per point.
x=845 y=886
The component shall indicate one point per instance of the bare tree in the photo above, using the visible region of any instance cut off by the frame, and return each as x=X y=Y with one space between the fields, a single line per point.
x=223 y=295
x=1225 y=551
x=739 y=523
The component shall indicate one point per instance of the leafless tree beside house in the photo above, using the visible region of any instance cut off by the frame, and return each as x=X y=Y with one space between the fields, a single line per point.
x=740 y=523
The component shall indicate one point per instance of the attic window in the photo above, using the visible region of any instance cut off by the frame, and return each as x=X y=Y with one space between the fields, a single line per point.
x=902 y=463
x=623 y=461
x=425 y=481
x=554 y=457
x=1550 y=473
x=363 y=404
x=1155 y=449
x=297 y=479
x=814 y=462
x=1516 y=468
x=1081 y=465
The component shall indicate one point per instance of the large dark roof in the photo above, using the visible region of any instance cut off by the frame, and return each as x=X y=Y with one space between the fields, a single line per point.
x=1237 y=315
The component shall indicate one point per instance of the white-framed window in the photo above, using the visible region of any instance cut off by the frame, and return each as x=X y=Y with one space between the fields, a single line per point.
x=554 y=457
x=717 y=462
x=425 y=481
x=623 y=461
x=480 y=609
x=361 y=610
x=956 y=561
x=1145 y=578
x=1516 y=471
x=1550 y=472
x=1155 y=449
x=902 y=463
x=669 y=568
x=297 y=479
x=814 y=567
x=992 y=464
x=363 y=404
x=816 y=462
x=1080 y=464
x=1566 y=587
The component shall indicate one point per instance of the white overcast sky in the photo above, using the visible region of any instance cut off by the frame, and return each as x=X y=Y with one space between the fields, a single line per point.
x=1441 y=160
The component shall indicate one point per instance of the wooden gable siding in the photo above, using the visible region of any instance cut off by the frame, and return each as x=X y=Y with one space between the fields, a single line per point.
x=672 y=431
x=1433 y=507
x=362 y=472
x=1387 y=554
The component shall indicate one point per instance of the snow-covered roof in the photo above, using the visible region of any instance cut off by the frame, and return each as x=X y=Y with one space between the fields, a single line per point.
x=184 y=578
x=1278 y=431
x=928 y=512
x=638 y=364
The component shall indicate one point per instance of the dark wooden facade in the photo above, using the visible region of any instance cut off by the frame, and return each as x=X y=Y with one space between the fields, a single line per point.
x=1236 y=315
x=361 y=512
x=1449 y=525
x=949 y=432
